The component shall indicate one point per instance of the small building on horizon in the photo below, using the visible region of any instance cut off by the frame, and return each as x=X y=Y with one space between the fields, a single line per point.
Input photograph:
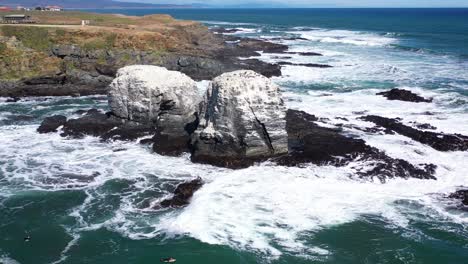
x=53 y=8
x=22 y=8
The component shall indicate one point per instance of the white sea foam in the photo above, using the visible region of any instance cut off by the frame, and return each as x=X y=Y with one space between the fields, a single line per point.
x=346 y=37
x=227 y=23
x=4 y=259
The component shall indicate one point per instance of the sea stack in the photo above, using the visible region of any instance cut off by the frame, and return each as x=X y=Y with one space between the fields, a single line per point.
x=151 y=94
x=242 y=120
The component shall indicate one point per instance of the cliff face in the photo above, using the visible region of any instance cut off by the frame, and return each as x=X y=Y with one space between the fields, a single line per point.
x=71 y=60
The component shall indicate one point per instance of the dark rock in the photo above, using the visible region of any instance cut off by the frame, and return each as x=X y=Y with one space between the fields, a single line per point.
x=106 y=126
x=289 y=38
x=260 y=45
x=438 y=141
x=461 y=195
x=199 y=68
x=311 y=143
x=92 y=124
x=304 y=53
x=311 y=65
x=129 y=131
x=58 y=80
x=13 y=100
x=182 y=194
x=221 y=30
x=50 y=124
x=106 y=69
x=424 y=126
x=172 y=142
x=404 y=95
x=146 y=141
x=266 y=69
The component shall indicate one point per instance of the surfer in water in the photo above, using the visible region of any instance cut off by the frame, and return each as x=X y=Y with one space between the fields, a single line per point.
x=168 y=260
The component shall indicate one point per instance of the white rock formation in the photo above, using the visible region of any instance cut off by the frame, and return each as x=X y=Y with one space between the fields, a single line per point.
x=143 y=93
x=242 y=119
x=151 y=94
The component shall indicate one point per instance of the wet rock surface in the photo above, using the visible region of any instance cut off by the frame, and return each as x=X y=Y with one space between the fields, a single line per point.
x=311 y=54
x=222 y=30
x=94 y=123
x=242 y=121
x=182 y=194
x=311 y=143
x=51 y=124
x=310 y=65
x=404 y=95
x=461 y=195
x=98 y=124
x=438 y=141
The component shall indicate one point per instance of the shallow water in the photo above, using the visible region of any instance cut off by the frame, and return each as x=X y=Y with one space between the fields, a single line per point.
x=84 y=201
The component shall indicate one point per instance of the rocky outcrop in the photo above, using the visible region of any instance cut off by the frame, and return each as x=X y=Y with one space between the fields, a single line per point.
x=51 y=124
x=404 y=95
x=94 y=123
x=242 y=120
x=182 y=194
x=438 y=141
x=98 y=124
x=311 y=143
x=154 y=95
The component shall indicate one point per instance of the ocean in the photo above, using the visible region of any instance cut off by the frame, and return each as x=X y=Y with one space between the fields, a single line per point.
x=84 y=201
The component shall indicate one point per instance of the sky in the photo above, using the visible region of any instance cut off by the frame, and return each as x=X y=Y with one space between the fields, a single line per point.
x=319 y=3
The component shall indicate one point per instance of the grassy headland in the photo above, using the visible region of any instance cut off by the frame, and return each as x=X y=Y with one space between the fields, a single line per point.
x=22 y=47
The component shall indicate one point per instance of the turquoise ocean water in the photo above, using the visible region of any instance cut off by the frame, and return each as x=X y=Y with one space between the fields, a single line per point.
x=84 y=201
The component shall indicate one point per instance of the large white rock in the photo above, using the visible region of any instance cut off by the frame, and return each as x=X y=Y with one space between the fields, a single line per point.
x=242 y=120
x=151 y=94
x=142 y=93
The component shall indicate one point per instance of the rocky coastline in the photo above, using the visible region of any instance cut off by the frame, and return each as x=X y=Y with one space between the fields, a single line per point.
x=240 y=121
x=82 y=71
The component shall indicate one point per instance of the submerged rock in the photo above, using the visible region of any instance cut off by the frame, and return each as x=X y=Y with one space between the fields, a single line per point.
x=222 y=30
x=311 y=143
x=304 y=53
x=154 y=95
x=51 y=124
x=182 y=194
x=461 y=195
x=242 y=120
x=13 y=100
x=438 y=141
x=404 y=95
x=94 y=123
x=310 y=65
x=98 y=124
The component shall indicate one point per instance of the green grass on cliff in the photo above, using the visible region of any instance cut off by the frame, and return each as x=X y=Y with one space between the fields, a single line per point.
x=3 y=48
x=32 y=37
